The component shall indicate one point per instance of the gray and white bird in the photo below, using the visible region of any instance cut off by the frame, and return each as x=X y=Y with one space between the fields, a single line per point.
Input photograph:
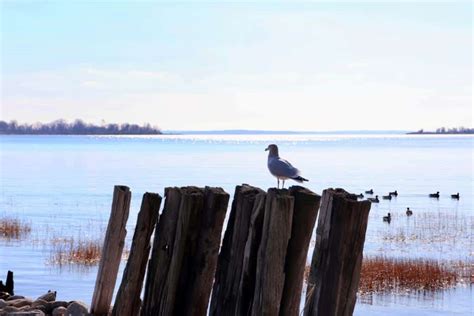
x=281 y=168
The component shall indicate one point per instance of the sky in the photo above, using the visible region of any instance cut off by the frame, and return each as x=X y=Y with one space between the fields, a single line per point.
x=314 y=66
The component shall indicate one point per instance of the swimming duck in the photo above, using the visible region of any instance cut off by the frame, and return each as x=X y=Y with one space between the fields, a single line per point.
x=376 y=200
x=387 y=218
x=394 y=193
x=409 y=212
x=387 y=197
x=360 y=196
x=434 y=195
x=370 y=191
x=455 y=196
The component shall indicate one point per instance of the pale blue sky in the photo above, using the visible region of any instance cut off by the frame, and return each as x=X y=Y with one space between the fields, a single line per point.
x=253 y=65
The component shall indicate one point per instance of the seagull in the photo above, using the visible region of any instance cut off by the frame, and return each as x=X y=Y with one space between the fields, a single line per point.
x=281 y=168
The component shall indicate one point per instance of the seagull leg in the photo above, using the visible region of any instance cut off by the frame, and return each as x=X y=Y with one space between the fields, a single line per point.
x=278 y=183
x=283 y=184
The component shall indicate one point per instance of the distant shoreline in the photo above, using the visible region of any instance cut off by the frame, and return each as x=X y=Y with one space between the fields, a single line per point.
x=78 y=127
x=446 y=133
x=80 y=134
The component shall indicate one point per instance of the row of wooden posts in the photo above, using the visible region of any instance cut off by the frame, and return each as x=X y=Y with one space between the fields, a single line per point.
x=257 y=270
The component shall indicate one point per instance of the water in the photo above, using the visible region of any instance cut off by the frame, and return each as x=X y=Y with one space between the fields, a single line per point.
x=62 y=185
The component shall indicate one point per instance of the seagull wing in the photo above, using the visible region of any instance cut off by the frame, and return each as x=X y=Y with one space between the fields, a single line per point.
x=282 y=168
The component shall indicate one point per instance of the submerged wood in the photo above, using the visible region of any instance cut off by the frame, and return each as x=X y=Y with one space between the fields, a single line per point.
x=111 y=251
x=225 y=294
x=9 y=284
x=127 y=301
x=337 y=258
x=305 y=211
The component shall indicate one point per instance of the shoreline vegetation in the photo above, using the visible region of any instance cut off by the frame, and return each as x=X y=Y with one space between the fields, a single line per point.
x=78 y=127
x=444 y=130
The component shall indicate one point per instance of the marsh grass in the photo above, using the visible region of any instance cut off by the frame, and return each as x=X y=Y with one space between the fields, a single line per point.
x=429 y=228
x=71 y=251
x=13 y=228
x=399 y=276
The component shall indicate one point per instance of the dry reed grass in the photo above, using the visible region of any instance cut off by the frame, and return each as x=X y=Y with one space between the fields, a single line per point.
x=381 y=274
x=69 y=251
x=72 y=251
x=397 y=275
x=13 y=228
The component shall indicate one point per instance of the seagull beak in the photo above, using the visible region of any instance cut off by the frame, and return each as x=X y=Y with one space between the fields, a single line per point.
x=266 y=149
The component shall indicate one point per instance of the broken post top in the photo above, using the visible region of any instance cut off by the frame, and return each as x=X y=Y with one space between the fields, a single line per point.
x=299 y=189
x=122 y=188
x=341 y=193
x=196 y=190
x=248 y=189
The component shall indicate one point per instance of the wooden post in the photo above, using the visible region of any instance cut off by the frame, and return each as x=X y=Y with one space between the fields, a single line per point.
x=186 y=246
x=249 y=264
x=161 y=254
x=304 y=217
x=229 y=266
x=192 y=202
x=270 y=278
x=127 y=301
x=111 y=252
x=337 y=257
x=202 y=265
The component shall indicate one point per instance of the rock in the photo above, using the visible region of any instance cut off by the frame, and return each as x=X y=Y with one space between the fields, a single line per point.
x=42 y=305
x=9 y=309
x=43 y=308
x=2 y=303
x=39 y=302
x=25 y=308
x=49 y=297
x=20 y=302
x=60 y=311
x=33 y=312
x=15 y=297
x=56 y=304
x=77 y=308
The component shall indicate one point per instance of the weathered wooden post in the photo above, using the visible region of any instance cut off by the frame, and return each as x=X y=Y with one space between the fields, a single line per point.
x=127 y=301
x=305 y=211
x=225 y=293
x=111 y=251
x=202 y=265
x=337 y=258
x=180 y=277
x=249 y=265
x=161 y=254
x=270 y=277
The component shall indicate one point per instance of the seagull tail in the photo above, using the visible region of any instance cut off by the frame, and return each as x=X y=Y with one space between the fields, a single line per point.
x=300 y=179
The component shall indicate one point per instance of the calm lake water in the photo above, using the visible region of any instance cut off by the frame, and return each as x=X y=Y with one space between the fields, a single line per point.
x=63 y=186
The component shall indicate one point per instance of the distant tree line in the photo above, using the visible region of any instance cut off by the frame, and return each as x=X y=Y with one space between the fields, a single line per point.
x=444 y=130
x=78 y=127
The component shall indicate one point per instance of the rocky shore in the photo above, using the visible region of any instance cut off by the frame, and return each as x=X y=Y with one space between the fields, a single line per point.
x=44 y=305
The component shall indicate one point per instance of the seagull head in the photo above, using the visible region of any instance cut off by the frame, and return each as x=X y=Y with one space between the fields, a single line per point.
x=273 y=150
